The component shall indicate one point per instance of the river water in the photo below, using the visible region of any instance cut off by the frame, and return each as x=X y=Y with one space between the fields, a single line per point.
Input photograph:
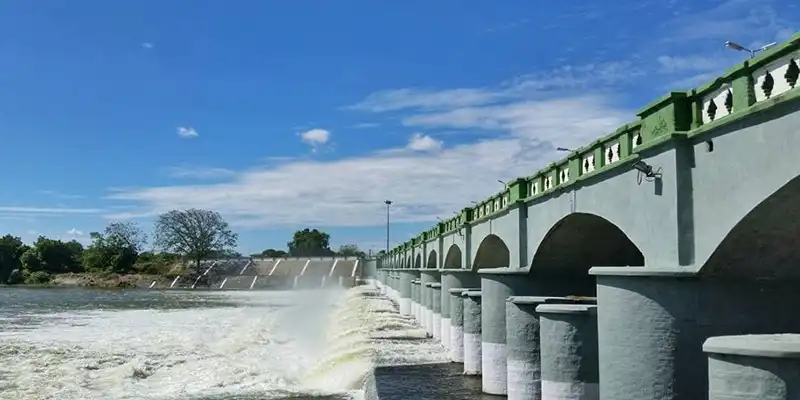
x=66 y=344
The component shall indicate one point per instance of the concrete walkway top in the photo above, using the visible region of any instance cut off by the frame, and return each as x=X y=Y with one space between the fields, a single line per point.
x=774 y=346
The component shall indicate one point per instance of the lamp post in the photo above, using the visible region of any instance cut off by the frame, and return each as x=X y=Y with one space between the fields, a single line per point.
x=388 y=203
x=738 y=47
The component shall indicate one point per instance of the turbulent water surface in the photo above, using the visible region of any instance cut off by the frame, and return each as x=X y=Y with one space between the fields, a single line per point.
x=92 y=344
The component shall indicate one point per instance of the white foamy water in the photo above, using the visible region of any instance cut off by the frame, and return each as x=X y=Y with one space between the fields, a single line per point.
x=273 y=345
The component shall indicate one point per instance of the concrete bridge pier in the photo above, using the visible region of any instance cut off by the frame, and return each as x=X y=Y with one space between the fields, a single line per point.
x=472 y=332
x=405 y=291
x=522 y=342
x=457 y=324
x=497 y=285
x=415 y=299
x=665 y=316
x=452 y=279
x=568 y=341
x=427 y=277
x=428 y=303
x=436 y=307
x=753 y=367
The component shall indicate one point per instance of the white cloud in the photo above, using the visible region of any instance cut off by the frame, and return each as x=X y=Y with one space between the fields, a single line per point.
x=74 y=232
x=187 y=132
x=148 y=45
x=315 y=137
x=422 y=142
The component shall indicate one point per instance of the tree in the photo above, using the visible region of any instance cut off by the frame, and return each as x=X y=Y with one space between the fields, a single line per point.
x=350 y=250
x=310 y=243
x=193 y=233
x=53 y=256
x=272 y=253
x=116 y=249
x=11 y=249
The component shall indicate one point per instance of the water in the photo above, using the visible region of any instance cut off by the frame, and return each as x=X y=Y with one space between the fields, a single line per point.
x=86 y=344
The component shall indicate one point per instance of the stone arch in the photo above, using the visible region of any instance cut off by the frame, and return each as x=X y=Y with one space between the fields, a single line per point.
x=453 y=258
x=763 y=244
x=431 y=263
x=492 y=253
x=408 y=262
x=418 y=261
x=581 y=241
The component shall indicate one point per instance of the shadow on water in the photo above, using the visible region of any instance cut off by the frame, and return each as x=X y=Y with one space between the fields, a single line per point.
x=443 y=381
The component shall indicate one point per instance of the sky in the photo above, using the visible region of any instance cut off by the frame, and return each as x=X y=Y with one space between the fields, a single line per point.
x=283 y=115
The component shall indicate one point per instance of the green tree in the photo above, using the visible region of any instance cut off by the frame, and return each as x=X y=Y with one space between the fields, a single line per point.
x=116 y=249
x=350 y=250
x=11 y=250
x=195 y=234
x=54 y=256
x=272 y=253
x=310 y=243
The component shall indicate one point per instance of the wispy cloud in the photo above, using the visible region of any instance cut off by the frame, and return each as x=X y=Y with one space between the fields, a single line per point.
x=187 y=132
x=366 y=125
x=49 y=210
x=60 y=195
x=751 y=22
x=148 y=45
x=187 y=172
x=353 y=189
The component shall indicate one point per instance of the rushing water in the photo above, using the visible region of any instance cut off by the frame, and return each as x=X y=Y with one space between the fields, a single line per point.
x=84 y=344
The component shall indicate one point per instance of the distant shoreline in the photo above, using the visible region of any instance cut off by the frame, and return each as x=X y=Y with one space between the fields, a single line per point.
x=98 y=280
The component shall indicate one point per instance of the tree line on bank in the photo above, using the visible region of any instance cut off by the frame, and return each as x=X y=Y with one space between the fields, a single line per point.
x=178 y=237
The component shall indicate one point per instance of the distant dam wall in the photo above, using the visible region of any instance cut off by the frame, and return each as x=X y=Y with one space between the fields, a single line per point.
x=268 y=273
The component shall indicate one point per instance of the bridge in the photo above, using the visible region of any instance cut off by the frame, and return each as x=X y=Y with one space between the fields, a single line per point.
x=267 y=273
x=630 y=269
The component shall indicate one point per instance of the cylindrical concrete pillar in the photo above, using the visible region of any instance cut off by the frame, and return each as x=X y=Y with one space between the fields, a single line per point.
x=568 y=340
x=414 y=298
x=497 y=285
x=457 y=325
x=522 y=342
x=650 y=319
x=405 y=292
x=426 y=277
x=429 y=308
x=455 y=279
x=436 y=307
x=753 y=367
x=472 y=332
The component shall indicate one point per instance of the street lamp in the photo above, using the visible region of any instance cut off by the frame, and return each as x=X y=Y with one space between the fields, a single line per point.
x=564 y=149
x=738 y=47
x=502 y=182
x=388 y=203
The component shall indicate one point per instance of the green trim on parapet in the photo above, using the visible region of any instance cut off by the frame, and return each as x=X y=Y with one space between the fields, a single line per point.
x=678 y=115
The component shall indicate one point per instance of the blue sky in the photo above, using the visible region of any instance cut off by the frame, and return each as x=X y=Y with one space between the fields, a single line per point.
x=283 y=115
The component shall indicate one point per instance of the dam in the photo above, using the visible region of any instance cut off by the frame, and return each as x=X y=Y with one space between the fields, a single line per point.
x=268 y=273
x=656 y=263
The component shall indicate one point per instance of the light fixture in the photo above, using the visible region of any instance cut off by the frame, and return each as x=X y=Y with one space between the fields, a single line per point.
x=645 y=169
x=564 y=149
x=502 y=183
x=738 y=47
